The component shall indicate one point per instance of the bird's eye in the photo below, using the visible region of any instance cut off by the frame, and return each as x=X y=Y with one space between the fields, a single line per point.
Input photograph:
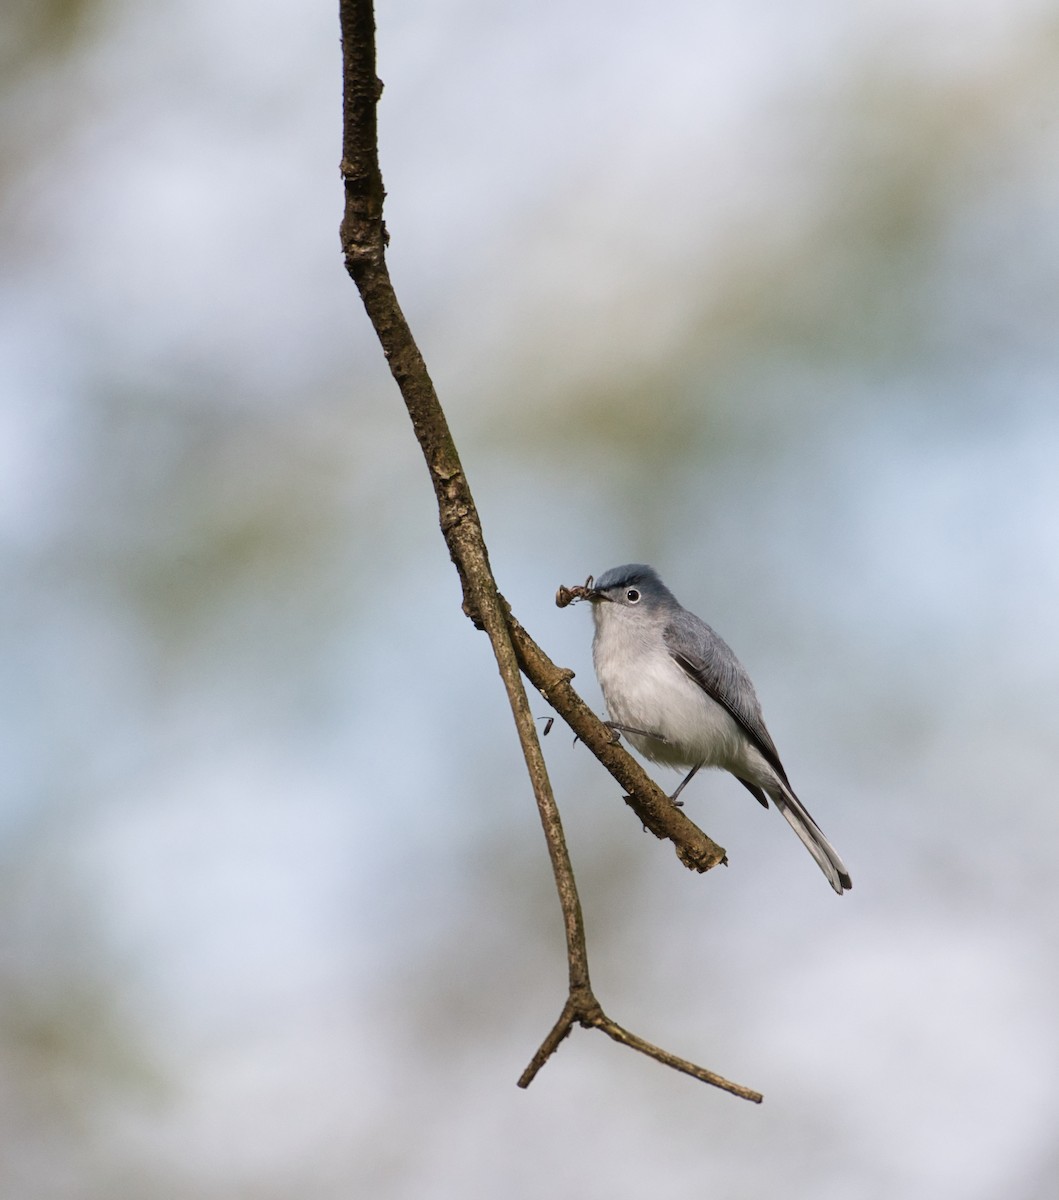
x=633 y=596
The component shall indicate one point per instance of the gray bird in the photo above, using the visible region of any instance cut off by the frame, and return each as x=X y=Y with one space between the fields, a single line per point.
x=682 y=698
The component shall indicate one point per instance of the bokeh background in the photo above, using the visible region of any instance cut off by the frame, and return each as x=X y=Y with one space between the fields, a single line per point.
x=765 y=294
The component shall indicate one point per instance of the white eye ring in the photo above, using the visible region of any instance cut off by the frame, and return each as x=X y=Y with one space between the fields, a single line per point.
x=633 y=596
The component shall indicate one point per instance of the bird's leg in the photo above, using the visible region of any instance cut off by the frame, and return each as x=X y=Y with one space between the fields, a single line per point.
x=619 y=728
x=683 y=784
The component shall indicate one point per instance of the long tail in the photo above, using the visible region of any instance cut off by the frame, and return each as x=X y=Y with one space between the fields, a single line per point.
x=812 y=838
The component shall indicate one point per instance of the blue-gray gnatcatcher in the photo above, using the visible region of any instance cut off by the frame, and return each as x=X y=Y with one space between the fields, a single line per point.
x=682 y=698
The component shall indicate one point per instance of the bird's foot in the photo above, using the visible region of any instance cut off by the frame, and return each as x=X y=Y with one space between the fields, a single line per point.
x=618 y=728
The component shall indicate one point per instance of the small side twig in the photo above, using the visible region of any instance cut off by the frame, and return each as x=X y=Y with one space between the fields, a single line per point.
x=364 y=240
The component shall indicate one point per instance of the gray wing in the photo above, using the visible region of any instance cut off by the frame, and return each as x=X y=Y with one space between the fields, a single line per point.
x=709 y=660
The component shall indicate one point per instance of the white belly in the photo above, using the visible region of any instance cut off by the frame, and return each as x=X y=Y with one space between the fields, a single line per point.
x=647 y=690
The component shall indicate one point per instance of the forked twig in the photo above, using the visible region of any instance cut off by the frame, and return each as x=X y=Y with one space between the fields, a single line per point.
x=593 y=1017
x=364 y=240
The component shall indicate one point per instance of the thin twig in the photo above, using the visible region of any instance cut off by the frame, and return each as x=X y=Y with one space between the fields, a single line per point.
x=364 y=239
x=587 y=1012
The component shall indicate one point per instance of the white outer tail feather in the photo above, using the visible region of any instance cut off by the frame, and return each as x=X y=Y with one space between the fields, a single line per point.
x=812 y=838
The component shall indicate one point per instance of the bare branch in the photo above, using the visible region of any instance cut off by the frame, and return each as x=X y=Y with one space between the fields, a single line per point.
x=364 y=240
